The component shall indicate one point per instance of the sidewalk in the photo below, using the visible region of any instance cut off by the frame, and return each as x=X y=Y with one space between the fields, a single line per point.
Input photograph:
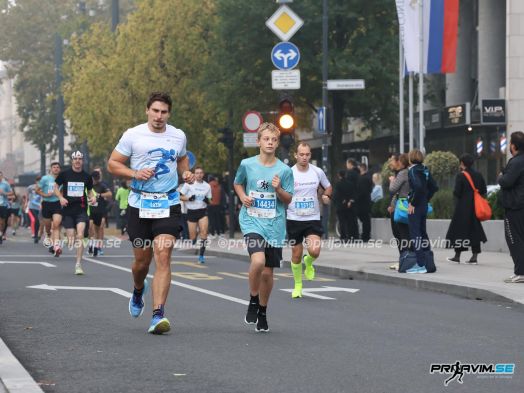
x=371 y=262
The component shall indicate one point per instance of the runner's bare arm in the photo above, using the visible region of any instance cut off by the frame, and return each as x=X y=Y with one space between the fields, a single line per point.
x=246 y=200
x=183 y=169
x=116 y=165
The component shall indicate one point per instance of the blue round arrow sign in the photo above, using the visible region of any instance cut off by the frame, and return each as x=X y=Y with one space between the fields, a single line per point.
x=285 y=56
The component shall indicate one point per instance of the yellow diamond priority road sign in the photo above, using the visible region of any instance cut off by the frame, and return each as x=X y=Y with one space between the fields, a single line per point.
x=284 y=23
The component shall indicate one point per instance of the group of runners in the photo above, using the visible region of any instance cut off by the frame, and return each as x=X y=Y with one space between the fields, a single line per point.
x=154 y=156
x=275 y=199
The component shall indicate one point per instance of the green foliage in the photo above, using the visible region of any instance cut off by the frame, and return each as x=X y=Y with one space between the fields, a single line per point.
x=386 y=172
x=379 y=209
x=496 y=207
x=443 y=165
x=443 y=204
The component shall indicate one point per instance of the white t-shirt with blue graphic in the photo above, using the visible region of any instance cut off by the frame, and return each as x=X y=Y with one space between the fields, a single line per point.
x=267 y=216
x=5 y=187
x=160 y=151
x=200 y=190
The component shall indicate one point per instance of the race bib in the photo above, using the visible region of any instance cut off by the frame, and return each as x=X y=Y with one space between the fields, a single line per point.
x=305 y=206
x=75 y=189
x=264 y=205
x=154 y=205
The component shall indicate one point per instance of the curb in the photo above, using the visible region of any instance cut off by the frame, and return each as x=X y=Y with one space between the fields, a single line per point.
x=13 y=376
x=440 y=287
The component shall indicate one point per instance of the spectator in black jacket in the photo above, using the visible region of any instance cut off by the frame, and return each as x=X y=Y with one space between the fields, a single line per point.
x=352 y=176
x=465 y=229
x=422 y=188
x=364 y=188
x=344 y=201
x=511 y=183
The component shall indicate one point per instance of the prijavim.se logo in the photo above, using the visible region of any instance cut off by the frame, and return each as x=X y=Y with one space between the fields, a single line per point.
x=457 y=370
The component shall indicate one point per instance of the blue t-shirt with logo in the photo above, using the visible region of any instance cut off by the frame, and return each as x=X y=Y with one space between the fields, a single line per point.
x=5 y=187
x=267 y=215
x=47 y=185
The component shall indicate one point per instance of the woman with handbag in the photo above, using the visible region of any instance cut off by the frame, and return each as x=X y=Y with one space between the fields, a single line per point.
x=465 y=229
x=422 y=188
x=399 y=188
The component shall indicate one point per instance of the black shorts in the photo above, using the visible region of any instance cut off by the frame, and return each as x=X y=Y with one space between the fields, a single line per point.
x=70 y=221
x=256 y=243
x=15 y=212
x=142 y=230
x=50 y=208
x=196 y=214
x=4 y=212
x=297 y=231
x=97 y=218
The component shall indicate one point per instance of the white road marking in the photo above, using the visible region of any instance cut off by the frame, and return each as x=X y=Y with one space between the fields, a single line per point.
x=309 y=292
x=177 y=283
x=118 y=291
x=46 y=264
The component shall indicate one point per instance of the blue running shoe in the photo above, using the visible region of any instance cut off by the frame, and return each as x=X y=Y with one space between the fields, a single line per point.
x=201 y=259
x=417 y=269
x=159 y=325
x=136 y=303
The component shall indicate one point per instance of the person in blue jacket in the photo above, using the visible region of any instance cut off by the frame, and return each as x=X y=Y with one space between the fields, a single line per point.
x=422 y=188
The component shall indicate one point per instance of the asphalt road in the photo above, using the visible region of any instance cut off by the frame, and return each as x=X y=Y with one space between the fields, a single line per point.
x=381 y=338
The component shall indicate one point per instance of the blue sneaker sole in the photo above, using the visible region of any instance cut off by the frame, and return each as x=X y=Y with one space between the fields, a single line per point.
x=163 y=326
x=146 y=287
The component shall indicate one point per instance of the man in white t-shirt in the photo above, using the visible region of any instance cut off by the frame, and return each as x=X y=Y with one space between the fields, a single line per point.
x=157 y=152
x=196 y=197
x=303 y=215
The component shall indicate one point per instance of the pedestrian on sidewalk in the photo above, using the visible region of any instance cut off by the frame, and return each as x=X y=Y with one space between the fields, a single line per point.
x=352 y=176
x=264 y=185
x=465 y=230
x=364 y=189
x=422 y=188
x=399 y=188
x=122 y=196
x=343 y=201
x=511 y=183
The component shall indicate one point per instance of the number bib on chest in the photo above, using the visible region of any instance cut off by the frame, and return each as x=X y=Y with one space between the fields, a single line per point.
x=304 y=206
x=75 y=189
x=154 y=205
x=264 y=205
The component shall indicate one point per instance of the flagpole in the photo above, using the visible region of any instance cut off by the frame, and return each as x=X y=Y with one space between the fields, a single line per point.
x=421 y=77
x=410 y=109
x=401 y=91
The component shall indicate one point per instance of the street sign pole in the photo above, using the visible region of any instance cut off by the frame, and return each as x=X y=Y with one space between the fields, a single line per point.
x=325 y=154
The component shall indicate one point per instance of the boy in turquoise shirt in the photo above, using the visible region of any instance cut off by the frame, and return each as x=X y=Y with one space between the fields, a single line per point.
x=264 y=185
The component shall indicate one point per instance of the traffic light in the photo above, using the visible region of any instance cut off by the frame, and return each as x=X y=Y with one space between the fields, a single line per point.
x=227 y=137
x=286 y=116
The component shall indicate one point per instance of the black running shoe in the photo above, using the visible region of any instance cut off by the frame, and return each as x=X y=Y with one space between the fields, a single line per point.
x=251 y=315
x=51 y=250
x=90 y=250
x=95 y=251
x=262 y=323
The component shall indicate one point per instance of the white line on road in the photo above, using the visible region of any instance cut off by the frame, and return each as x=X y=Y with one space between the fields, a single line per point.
x=118 y=291
x=28 y=263
x=177 y=283
x=309 y=291
x=13 y=375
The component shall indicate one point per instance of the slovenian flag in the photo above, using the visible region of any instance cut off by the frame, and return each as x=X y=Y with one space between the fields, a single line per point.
x=439 y=29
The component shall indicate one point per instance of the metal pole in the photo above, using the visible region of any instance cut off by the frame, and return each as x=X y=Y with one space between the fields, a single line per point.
x=60 y=99
x=230 y=192
x=325 y=153
x=401 y=93
x=115 y=15
x=421 y=76
x=410 y=110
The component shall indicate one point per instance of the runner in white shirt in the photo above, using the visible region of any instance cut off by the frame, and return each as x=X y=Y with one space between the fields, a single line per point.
x=303 y=215
x=196 y=197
